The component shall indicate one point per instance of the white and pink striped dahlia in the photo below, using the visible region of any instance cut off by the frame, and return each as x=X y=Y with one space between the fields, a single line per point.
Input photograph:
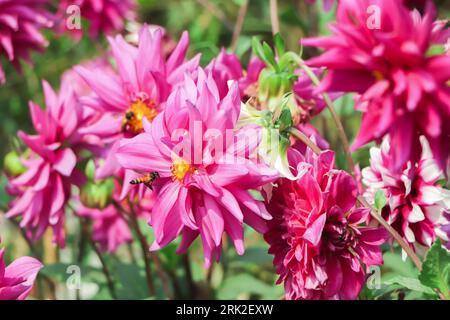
x=416 y=203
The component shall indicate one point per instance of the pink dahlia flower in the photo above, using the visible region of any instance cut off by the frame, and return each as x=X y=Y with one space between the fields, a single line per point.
x=110 y=230
x=20 y=24
x=224 y=68
x=202 y=180
x=320 y=244
x=404 y=91
x=44 y=188
x=416 y=203
x=309 y=101
x=17 y=279
x=248 y=83
x=138 y=90
x=104 y=16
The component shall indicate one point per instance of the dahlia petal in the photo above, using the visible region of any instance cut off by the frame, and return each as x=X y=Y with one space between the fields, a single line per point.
x=143 y=157
x=314 y=232
x=166 y=201
x=225 y=174
x=342 y=192
x=430 y=195
x=179 y=53
x=373 y=237
x=65 y=162
x=107 y=88
x=185 y=203
x=228 y=201
x=213 y=221
x=416 y=214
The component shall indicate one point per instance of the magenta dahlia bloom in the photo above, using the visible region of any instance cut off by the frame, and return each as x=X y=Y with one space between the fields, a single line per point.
x=21 y=22
x=104 y=16
x=248 y=83
x=416 y=203
x=44 y=188
x=309 y=101
x=403 y=91
x=138 y=90
x=109 y=229
x=203 y=179
x=320 y=244
x=17 y=279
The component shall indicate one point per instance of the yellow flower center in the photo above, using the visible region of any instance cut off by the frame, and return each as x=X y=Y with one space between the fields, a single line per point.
x=180 y=168
x=378 y=75
x=132 y=122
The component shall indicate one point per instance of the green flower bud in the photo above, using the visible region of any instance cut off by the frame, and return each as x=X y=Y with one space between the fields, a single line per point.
x=13 y=165
x=97 y=194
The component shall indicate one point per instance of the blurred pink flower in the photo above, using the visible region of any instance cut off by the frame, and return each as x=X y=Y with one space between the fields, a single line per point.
x=17 y=279
x=104 y=16
x=404 y=91
x=20 y=23
x=197 y=194
x=248 y=83
x=309 y=101
x=317 y=235
x=416 y=202
x=43 y=190
x=109 y=229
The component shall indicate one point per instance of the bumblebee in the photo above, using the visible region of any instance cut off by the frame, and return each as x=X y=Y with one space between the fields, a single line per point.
x=129 y=116
x=147 y=180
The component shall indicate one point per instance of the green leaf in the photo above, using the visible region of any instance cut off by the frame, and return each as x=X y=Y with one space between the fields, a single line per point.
x=410 y=283
x=131 y=281
x=394 y=264
x=279 y=44
x=245 y=285
x=436 y=269
x=380 y=200
x=59 y=272
x=269 y=56
x=258 y=49
x=90 y=170
x=285 y=120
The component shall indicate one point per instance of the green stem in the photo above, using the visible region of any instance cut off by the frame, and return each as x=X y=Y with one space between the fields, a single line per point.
x=334 y=115
x=105 y=269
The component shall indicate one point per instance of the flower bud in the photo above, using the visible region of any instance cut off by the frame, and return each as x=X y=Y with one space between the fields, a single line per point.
x=13 y=165
x=97 y=194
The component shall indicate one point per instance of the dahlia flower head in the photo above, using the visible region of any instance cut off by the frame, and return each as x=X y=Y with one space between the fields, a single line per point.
x=21 y=22
x=109 y=229
x=415 y=202
x=104 y=16
x=138 y=89
x=227 y=66
x=44 y=188
x=318 y=237
x=203 y=176
x=17 y=279
x=403 y=91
